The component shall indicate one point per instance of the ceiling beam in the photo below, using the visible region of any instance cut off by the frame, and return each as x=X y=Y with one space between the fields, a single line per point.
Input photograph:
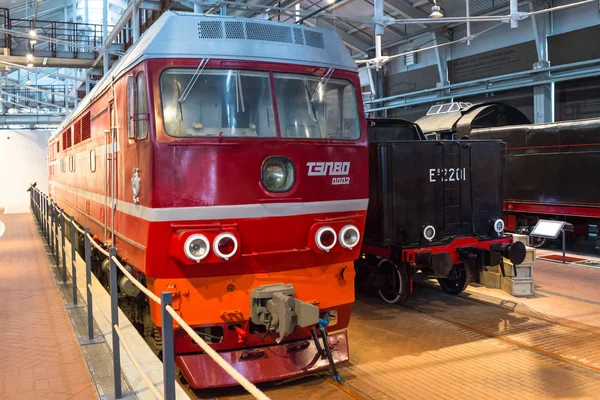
x=350 y=40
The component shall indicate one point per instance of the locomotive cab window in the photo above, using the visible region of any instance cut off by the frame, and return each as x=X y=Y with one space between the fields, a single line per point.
x=217 y=103
x=312 y=107
x=137 y=105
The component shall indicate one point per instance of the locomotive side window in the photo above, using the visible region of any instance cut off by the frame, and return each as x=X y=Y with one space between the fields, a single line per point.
x=217 y=103
x=311 y=107
x=141 y=107
x=131 y=107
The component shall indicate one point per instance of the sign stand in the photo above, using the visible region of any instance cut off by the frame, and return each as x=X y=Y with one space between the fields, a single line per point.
x=550 y=229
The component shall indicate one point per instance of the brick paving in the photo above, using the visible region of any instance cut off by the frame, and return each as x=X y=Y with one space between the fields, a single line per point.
x=39 y=354
x=409 y=355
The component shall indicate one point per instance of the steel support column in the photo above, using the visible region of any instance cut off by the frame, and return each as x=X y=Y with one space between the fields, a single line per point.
x=543 y=94
x=135 y=22
x=105 y=34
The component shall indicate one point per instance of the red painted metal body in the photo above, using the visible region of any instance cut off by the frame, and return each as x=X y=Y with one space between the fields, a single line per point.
x=181 y=174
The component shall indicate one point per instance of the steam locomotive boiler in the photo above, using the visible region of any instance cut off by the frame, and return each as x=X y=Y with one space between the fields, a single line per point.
x=435 y=210
x=222 y=158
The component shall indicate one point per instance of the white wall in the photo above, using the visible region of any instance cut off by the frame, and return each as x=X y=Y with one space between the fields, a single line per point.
x=22 y=161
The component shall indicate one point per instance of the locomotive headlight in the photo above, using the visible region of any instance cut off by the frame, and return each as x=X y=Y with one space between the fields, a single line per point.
x=325 y=238
x=196 y=247
x=349 y=236
x=225 y=245
x=499 y=226
x=429 y=232
x=278 y=174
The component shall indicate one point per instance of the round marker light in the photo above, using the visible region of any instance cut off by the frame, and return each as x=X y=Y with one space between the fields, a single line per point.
x=196 y=247
x=429 y=232
x=225 y=245
x=349 y=236
x=499 y=226
x=325 y=238
x=278 y=174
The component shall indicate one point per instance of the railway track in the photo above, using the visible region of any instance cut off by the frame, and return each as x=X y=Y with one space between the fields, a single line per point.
x=314 y=386
x=558 y=339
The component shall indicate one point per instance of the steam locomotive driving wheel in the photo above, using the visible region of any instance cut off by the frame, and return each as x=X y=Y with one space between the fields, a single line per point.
x=391 y=281
x=457 y=281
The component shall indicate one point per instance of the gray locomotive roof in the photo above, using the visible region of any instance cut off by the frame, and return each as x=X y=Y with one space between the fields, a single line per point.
x=188 y=35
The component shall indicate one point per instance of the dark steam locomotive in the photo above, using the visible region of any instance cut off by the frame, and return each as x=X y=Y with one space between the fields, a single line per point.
x=435 y=210
x=550 y=166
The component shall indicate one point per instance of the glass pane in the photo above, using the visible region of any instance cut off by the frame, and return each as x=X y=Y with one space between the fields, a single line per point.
x=141 y=107
x=217 y=102
x=312 y=108
x=434 y=110
x=445 y=108
x=131 y=107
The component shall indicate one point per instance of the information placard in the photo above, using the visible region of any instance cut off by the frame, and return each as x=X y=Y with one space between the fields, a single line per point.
x=547 y=229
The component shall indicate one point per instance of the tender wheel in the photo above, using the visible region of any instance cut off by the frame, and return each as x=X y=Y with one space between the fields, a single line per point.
x=458 y=280
x=537 y=242
x=391 y=281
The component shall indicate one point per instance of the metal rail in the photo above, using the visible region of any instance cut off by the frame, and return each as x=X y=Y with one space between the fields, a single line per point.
x=48 y=215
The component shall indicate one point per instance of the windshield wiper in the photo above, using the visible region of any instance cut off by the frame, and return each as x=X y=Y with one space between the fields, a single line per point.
x=239 y=94
x=309 y=103
x=322 y=82
x=192 y=82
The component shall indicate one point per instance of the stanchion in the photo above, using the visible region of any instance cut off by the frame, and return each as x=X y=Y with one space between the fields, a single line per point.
x=73 y=260
x=56 y=252
x=88 y=284
x=166 y=298
x=114 y=317
x=62 y=252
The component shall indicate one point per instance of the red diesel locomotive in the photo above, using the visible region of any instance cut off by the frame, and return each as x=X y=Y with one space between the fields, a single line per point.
x=226 y=160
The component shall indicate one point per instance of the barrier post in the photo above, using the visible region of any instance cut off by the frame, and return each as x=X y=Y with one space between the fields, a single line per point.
x=114 y=317
x=88 y=284
x=73 y=259
x=51 y=233
x=166 y=299
x=43 y=214
x=55 y=213
x=62 y=252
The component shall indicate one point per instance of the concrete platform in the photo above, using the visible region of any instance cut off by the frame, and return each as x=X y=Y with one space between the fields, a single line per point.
x=40 y=357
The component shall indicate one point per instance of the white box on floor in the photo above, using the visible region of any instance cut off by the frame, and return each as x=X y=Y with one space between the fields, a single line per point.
x=529 y=256
x=518 y=287
x=523 y=271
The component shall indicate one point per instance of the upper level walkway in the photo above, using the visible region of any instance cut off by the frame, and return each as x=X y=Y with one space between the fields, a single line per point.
x=40 y=357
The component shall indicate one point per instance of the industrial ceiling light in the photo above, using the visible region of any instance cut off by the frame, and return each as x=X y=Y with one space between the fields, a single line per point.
x=32 y=33
x=29 y=57
x=30 y=65
x=436 y=11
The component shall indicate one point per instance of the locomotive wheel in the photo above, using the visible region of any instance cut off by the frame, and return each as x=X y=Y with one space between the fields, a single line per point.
x=458 y=281
x=537 y=242
x=391 y=281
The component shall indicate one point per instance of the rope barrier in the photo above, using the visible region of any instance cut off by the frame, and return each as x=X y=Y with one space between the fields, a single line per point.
x=136 y=282
x=136 y=365
x=97 y=246
x=245 y=383
x=79 y=229
x=251 y=388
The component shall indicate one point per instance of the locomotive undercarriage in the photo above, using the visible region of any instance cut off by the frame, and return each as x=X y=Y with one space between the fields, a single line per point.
x=392 y=276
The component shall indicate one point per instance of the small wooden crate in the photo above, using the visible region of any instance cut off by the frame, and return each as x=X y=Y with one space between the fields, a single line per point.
x=490 y=279
x=521 y=238
x=523 y=271
x=518 y=287
x=529 y=256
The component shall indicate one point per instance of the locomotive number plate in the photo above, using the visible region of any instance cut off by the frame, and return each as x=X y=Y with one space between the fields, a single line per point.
x=447 y=174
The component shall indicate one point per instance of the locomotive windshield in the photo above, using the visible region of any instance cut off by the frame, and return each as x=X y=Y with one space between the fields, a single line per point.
x=200 y=103
x=316 y=108
x=217 y=102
